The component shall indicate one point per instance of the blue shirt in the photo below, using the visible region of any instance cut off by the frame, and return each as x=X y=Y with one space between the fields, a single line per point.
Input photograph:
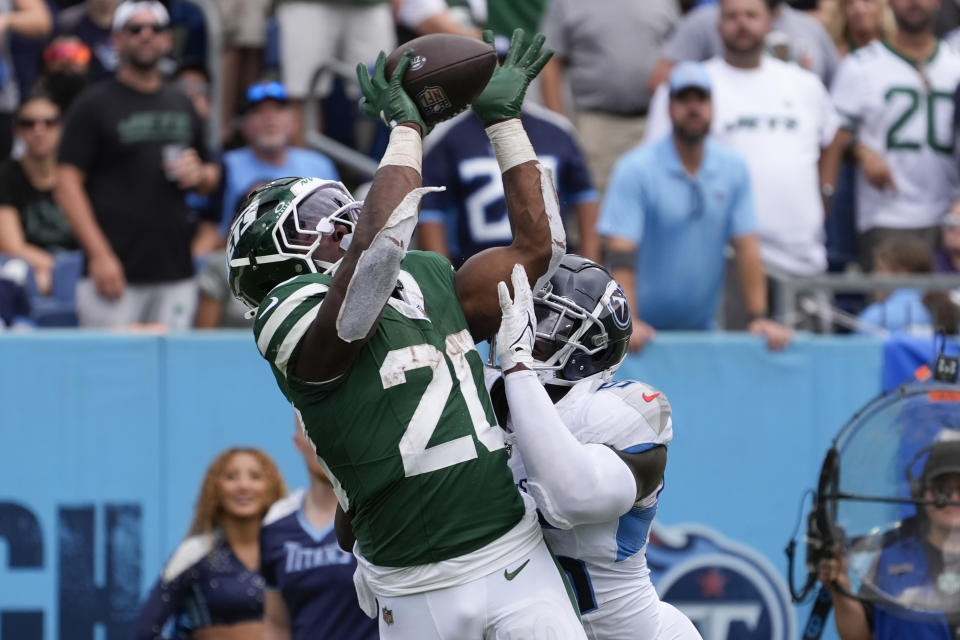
x=680 y=226
x=473 y=209
x=314 y=576
x=242 y=172
x=902 y=311
x=905 y=566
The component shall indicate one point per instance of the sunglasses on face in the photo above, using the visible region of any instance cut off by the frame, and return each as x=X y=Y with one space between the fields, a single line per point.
x=30 y=123
x=135 y=28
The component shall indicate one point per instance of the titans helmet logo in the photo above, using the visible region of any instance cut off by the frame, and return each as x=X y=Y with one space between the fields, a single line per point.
x=619 y=309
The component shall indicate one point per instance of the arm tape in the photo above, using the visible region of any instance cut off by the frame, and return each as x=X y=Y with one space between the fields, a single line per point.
x=510 y=144
x=558 y=235
x=375 y=275
x=572 y=483
x=404 y=149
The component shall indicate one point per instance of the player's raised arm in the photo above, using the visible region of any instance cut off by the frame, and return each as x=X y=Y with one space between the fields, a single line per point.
x=573 y=483
x=539 y=241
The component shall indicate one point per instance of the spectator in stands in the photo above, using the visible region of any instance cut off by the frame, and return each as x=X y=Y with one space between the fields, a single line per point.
x=607 y=50
x=780 y=119
x=211 y=583
x=895 y=100
x=671 y=208
x=194 y=80
x=421 y=17
x=316 y=32
x=947 y=259
x=908 y=310
x=217 y=307
x=268 y=127
x=309 y=579
x=244 y=24
x=91 y=23
x=32 y=226
x=806 y=41
x=471 y=215
x=858 y=23
x=14 y=298
x=28 y=18
x=503 y=16
x=132 y=147
x=66 y=70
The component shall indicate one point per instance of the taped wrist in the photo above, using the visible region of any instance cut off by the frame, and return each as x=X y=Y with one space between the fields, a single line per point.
x=375 y=275
x=405 y=149
x=510 y=144
x=572 y=483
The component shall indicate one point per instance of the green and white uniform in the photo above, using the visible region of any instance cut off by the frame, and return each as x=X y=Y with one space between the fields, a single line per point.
x=411 y=446
x=903 y=111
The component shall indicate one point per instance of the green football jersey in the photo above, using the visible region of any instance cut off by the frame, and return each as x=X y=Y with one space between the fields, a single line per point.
x=408 y=434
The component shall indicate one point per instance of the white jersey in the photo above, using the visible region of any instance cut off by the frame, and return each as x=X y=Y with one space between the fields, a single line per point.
x=607 y=562
x=779 y=117
x=904 y=112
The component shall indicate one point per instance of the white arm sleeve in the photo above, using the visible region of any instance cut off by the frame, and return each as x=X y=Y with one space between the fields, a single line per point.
x=572 y=483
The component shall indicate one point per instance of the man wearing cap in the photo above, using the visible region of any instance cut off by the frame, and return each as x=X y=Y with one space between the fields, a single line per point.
x=918 y=568
x=672 y=206
x=268 y=127
x=780 y=118
x=132 y=147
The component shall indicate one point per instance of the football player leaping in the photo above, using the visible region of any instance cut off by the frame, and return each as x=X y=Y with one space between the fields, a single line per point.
x=374 y=347
x=591 y=452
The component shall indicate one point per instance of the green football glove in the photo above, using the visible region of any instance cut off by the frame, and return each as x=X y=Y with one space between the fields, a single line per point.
x=503 y=95
x=387 y=100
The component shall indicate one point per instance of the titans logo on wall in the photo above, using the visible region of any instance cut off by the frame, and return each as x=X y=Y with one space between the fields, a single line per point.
x=619 y=309
x=729 y=591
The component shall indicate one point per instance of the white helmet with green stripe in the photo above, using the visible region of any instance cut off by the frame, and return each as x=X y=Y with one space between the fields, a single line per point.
x=285 y=228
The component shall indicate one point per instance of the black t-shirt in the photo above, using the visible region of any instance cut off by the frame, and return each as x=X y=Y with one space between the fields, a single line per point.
x=42 y=220
x=116 y=136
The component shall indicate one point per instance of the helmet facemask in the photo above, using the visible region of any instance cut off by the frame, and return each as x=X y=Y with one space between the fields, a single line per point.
x=310 y=218
x=568 y=335
x=280 y=229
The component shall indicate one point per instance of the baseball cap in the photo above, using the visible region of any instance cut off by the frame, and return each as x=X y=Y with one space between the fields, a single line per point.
x=689 y=75
x=126 y=10
x=263 y=91
x=944 y=458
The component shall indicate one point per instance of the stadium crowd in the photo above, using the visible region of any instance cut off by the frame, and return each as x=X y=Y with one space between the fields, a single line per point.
x=818 y=136
x=707 y=152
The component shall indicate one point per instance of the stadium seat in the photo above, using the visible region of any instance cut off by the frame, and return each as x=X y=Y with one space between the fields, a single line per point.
x=59 y=308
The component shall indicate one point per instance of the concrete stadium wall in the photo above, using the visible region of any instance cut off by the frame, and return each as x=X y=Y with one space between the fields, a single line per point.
x=104 y=440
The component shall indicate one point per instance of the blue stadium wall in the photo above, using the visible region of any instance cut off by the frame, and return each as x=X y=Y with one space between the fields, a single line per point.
x=104 y=439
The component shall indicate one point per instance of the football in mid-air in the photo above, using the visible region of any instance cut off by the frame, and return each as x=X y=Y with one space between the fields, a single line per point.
x=447 y=72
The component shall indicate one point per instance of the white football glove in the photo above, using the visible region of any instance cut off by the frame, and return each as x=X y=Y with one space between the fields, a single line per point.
x=518 y=326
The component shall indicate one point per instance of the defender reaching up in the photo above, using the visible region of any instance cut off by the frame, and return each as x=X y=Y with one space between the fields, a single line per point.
x=373 y=345
x=558 y=350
